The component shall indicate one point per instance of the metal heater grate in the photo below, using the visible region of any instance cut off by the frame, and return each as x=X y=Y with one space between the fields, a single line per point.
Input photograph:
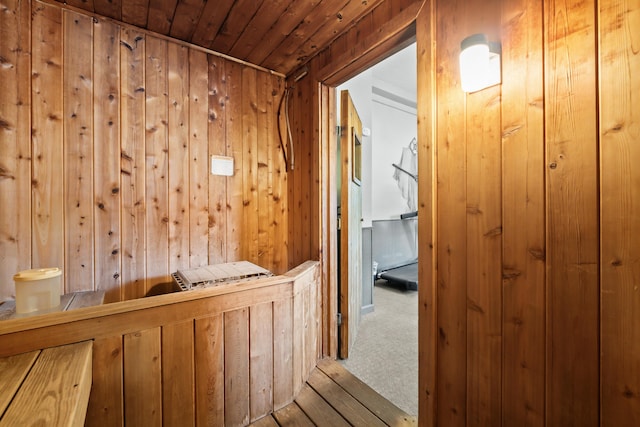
x=216 y=274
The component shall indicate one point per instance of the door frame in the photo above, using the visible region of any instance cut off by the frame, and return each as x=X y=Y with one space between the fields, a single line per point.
x=420 y=29
x=328 y=98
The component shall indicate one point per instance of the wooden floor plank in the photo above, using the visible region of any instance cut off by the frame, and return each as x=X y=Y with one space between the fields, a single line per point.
x=385 y=410
x=333 y=396
x=292 y=415
x=317 y=409
x=350 y=408
x=267 y=421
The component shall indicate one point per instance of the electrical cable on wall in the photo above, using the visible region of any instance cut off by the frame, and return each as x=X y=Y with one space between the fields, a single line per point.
x=285 y=95
x=290 y=163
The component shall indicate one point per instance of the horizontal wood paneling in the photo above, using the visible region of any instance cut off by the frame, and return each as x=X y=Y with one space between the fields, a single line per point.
x=217 y=356
x=122 y=138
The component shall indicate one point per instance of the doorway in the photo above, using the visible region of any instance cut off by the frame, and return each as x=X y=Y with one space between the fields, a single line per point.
x=385 y=352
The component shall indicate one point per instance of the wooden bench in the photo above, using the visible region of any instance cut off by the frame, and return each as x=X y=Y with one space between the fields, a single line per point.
x=46 y=387
x=68 y=302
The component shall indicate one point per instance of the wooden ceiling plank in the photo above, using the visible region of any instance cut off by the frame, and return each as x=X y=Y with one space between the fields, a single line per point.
x=296 y=12
x=357 y=56
x=81 y=4
x=108 y=8
x=340 y=23
x=161 y=13
x=290 y=50
x=186 y=18
x=213 y=15
x=259 y=26
x=241 y=13
x=135 y=12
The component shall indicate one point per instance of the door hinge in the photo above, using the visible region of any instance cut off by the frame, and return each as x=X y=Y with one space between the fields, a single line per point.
x=339 y=319
x=338 y=131
x=339 y=223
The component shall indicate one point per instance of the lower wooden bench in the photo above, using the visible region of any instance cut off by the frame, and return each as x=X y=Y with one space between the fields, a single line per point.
x=332 y=396
x=46 y=387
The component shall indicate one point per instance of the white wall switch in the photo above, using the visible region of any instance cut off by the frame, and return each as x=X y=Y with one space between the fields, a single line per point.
x=221 y=165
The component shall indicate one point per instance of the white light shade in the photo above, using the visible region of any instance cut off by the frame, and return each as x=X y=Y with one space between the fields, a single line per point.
x=479 y=64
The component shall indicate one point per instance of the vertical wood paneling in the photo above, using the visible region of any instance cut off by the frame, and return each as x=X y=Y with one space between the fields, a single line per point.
x=282 y=352
x=234 y=149
x=572 y=214
x=326 y=181
x=156 y=162
x=15 y=140
x=484 y=246
x=178 y=127
x=132 y=142
x=106 y=143
x=312 y=341
x=451 y=231
x=143 y=378
x=47 y=138
x=209 y=364
x=250 y=232
x=199 y=158
x=264 y=157
x=294 y=189
x=523 y=269
x=78 y=151
x=427 y=210
x=178 y=380
x=124 y=150
x=315 y=173
x=217 y=147
x=106 y=405
x=484 y=237
x=261 y=360
x=236 y=367
x=620 y=212
x=279 y=177
x=298 y=337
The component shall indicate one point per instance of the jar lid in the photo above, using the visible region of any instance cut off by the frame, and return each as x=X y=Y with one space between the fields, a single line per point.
x=37 y=274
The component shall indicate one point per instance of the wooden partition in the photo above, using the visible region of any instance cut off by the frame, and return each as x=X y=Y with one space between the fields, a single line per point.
x=107 y=134
x=225 y=355
x=530 y=203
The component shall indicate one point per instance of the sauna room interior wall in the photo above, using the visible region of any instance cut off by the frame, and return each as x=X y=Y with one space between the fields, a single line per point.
x=106 y=137
x=537 y=296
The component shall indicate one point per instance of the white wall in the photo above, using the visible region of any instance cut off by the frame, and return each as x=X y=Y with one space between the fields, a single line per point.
x=393 y=129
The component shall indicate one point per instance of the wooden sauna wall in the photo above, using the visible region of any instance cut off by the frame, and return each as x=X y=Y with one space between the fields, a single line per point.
x=106 y=136
x=225 y=359
x=533 y=317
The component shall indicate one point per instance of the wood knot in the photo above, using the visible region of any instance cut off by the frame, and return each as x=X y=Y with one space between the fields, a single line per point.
x=472 y=305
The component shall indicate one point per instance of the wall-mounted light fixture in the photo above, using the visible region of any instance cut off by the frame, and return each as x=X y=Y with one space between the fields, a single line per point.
x=479 y=63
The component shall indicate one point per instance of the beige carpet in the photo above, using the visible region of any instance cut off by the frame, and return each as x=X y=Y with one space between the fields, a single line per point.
x=385 y=354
